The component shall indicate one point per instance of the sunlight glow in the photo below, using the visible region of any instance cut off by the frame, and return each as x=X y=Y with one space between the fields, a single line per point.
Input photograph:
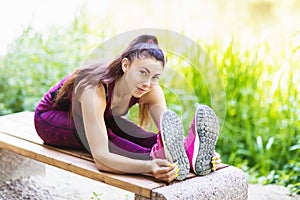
x=16 y=15
x=205 y=19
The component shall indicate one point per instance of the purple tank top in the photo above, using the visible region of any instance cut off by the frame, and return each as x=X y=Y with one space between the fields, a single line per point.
x=109 y=91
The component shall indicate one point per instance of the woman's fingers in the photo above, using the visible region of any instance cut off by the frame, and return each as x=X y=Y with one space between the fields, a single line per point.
x=169 y=176
x=216 y=161
x=165 y=171
x=217 y=155
x=162 y=162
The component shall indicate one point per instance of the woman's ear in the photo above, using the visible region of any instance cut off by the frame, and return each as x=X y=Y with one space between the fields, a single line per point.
x=125 y=64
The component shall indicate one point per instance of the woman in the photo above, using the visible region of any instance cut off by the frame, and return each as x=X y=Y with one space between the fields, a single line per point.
x=85 y=110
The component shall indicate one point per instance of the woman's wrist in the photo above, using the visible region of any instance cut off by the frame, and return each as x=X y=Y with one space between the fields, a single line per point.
x=149 y=166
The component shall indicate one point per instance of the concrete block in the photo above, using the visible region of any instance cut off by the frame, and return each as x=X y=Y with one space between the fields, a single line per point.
x=14 y=166
x=228 y=183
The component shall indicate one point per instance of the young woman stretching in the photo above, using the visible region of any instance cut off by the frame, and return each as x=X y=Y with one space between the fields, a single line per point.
x=85 y=110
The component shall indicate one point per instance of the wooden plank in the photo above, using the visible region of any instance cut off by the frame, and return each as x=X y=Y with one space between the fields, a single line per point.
x=21 y=125
x=25 y=130
x=133 y=183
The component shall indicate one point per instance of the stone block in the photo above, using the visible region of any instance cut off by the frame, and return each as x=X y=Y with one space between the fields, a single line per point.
x=228 y=183
x=14 y=166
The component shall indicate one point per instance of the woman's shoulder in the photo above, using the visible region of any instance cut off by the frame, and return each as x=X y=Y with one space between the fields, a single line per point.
x=94 y=93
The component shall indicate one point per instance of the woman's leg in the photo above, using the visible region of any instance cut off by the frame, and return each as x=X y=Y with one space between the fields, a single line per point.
x=121 y=146
x=131 y=132
x=56 y=128
x=167 y=144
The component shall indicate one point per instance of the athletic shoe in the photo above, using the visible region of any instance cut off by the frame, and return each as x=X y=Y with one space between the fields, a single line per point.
x=201 y=140
x=172 y=135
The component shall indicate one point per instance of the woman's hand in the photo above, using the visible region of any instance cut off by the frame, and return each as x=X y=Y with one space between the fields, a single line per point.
x=216 y=161
x=164 y=170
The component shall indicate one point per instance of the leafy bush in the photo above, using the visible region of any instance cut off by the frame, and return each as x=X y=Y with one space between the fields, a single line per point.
x=36 y=61
x=289 y=176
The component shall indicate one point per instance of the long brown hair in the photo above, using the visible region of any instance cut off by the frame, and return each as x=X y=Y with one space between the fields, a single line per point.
x=93 y=74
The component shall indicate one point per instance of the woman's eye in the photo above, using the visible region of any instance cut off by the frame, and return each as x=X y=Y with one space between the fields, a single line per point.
x=156 y=77
x=143 y=73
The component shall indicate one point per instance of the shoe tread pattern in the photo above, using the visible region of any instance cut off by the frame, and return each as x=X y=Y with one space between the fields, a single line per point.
x=173 y=133
x=207 y=127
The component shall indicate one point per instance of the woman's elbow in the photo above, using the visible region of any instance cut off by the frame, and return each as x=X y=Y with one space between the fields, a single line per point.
x=102 y=167
x=99 y=159
x=100 y=163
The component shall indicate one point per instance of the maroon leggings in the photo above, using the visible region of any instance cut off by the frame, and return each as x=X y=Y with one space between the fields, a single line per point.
x=55 y=128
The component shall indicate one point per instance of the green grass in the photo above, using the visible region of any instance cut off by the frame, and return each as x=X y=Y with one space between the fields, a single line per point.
x=262 y=104
x=259 y=110
x=262 y=89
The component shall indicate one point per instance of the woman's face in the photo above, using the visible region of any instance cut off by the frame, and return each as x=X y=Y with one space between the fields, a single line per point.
x=141 y=74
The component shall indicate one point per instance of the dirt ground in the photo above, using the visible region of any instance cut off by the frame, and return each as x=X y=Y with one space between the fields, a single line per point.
x=57 y=184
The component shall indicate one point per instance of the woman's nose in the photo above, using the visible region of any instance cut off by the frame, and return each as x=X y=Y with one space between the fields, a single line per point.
x=147 y=83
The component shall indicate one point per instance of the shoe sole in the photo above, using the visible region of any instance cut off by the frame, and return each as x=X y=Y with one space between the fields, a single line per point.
x=207 y=128
x=172 y=136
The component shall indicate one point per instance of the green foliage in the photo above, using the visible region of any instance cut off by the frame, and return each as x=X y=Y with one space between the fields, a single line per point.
x=96 y=196
x=262 y=123
x=289 y=176
x=262 y=84
x=36 y=61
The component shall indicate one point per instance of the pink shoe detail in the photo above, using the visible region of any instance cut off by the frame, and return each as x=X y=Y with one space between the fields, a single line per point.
x=157 y=150
x=189 y=142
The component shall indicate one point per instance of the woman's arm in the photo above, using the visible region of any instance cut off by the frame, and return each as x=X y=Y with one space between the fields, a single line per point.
x=93 y=103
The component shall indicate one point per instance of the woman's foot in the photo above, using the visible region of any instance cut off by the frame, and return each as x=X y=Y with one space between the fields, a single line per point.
x=201 y=140
x=172 y=135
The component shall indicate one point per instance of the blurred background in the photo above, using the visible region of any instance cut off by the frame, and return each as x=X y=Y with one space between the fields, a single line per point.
x=254 y=45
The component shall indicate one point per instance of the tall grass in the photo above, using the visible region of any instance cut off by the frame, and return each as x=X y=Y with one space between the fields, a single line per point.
x=262 y=86
x=261 y=125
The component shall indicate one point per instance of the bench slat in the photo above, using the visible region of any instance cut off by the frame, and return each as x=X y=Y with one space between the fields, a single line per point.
x=21 y=125
x=133 y=183
x=25 y=130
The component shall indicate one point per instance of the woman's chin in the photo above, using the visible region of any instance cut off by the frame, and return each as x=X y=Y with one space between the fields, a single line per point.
x=138 y=93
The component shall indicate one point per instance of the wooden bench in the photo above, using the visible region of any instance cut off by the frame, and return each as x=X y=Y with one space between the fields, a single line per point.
x=17 y=134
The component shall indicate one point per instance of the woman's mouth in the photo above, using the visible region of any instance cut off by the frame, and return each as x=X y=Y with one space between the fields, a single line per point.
x=140 y=90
